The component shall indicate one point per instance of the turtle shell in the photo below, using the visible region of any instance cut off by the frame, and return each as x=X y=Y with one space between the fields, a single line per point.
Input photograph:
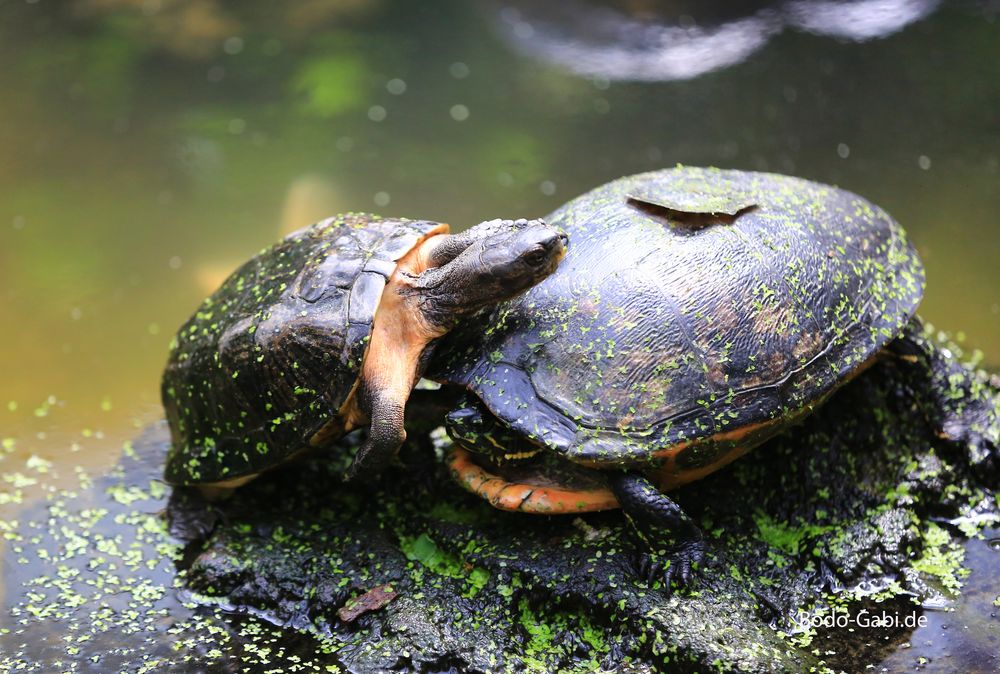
x=697 y=311
x=275 y=353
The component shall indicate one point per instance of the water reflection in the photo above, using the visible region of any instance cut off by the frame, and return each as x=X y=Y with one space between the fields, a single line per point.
x=856 y=20
x=310 y=198
x=605 y=43
x=199 y=30
x=963 y=638
x=592 y=39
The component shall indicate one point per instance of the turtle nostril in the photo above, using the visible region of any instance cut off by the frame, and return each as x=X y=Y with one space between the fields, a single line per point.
x=559 y=240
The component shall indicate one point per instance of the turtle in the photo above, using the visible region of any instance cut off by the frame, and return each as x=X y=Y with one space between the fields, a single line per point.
x=327 y=331
x=699 y=312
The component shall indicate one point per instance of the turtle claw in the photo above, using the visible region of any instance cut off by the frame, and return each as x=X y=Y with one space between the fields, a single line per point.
x=676 y=567
x=828 y=579
x=684 y=562
x=649 y=567
x=655 y=517
x=983 y=455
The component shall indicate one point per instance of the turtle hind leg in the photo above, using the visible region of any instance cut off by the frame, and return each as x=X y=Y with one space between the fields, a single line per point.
x=958 y=403
x=663 y=527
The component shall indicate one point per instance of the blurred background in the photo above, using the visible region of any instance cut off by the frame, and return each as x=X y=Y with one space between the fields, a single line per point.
x=147 y=147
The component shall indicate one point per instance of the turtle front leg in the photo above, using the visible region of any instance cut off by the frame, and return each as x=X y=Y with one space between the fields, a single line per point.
x=661 y=524
x=386 y=408
x=420 y=304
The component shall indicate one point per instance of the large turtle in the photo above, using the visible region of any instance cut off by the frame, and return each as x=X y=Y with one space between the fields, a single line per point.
x=699 y=312
x=329 y=330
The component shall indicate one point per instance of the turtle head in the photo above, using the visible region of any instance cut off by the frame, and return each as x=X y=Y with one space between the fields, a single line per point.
x=506 y=264
x=491 y=269
x=472 y=426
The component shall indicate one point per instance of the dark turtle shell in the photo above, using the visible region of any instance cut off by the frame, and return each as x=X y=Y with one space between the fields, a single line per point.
x=696 y=311
x=274 y=354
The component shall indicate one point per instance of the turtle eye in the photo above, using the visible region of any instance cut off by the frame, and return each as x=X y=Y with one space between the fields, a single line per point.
x=535 y=256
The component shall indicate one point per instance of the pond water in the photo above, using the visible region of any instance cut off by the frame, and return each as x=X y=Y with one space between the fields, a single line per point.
x=150 y=147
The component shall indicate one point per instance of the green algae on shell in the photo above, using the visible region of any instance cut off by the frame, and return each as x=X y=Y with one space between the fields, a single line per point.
x=698 y=312
x=272 y=356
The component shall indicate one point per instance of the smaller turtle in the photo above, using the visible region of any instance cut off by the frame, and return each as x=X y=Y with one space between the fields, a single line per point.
x=327 y=331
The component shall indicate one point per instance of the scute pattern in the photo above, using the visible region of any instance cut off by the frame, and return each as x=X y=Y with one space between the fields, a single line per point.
x=275 y=352
x=657 y=332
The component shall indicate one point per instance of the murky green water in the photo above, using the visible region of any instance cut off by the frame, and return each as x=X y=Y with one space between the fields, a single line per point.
x=148 y=151
x=149 y=147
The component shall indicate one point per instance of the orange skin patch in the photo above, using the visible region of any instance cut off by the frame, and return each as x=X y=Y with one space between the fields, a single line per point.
x=548 y=499
x=551 y=500
x=399 y=334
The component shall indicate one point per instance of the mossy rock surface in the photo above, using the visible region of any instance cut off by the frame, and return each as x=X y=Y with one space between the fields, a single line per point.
x=844 y=500
x=858 y=499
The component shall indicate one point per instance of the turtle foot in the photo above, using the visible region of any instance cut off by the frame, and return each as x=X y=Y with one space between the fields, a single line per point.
x=675 y=543
x=982 y=451
x=958 y=402
x=190 y=515
x=676 y=567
